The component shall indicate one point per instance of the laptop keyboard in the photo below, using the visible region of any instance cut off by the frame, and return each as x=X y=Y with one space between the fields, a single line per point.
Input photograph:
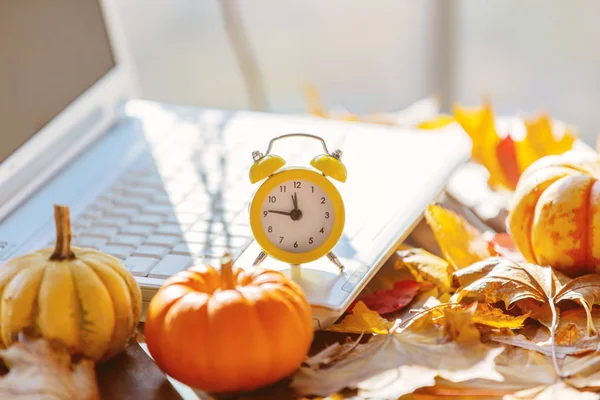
x=167 y=213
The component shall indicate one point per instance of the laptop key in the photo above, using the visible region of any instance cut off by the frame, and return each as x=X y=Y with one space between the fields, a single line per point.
x=151 y=251
x=121 y=252
x=139 y=266
x=116 y=222
x=131 y=202
x=88 y=241
x=128 y=240
x=162 y=240
x=124 y=212
x=140 y=230
x=170 y=265
x=102 y=231
x=153 y=220
x=170 y=229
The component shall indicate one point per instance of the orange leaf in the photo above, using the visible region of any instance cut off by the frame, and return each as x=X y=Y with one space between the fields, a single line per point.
x=388 y=301
x=479 y=125
x=507 y=157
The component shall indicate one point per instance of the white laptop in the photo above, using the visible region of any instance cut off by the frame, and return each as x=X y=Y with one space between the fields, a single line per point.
x=163 y=187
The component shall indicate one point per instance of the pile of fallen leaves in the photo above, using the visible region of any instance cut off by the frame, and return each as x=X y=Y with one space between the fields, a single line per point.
x=478 y=321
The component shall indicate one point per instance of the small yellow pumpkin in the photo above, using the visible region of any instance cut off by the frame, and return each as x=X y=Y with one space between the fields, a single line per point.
x=81 y=297
x=228 y=331
x=555 y=215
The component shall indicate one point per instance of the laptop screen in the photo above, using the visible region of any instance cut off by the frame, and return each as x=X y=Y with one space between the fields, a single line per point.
x=50 y=53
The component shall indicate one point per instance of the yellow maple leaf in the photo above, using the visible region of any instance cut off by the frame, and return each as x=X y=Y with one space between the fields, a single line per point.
x=424 y=267
x=458 y=325
x=496 y=318
x=540 y=141
x=460 y=242
x=479 y=124
x=362 y=320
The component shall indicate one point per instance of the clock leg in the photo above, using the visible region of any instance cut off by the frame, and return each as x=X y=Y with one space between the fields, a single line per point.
x=261 y=257
x=333 y=258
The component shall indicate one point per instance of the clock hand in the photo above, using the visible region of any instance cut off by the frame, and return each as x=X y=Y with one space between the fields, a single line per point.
x=280 y=212
x=295 y=201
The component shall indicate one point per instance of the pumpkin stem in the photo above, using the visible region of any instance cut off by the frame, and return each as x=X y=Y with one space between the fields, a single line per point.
x=62 y=250
x=227 y=272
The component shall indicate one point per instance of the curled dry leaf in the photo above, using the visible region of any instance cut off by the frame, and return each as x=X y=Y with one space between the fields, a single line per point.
x=571 y=336
x=388 y=301
x=461 y=243
x=498 y=279
x=425 y=267
x=362 y=320
x=496 y=318
x=390 y=366
x=40 y=370
x=530 y=372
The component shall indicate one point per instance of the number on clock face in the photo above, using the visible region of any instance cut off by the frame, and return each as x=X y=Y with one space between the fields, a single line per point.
x=297 y=216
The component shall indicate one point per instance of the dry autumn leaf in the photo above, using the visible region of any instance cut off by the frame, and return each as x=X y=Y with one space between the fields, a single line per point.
x=571 y=336
x=461 y=244
x=506 y=153
x=482 y=314
x=390 y=366
x=362 y=320
x=498 y=279
x=387 y=301
x=39 y=370
x=528 y=372
x=425 y=267
x=479 y=124
x=459 y=326
x=496 y=318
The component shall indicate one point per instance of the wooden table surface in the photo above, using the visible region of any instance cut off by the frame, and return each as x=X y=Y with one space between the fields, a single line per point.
x=133 y=374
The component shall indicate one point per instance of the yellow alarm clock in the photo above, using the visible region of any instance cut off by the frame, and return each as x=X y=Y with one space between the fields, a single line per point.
x=297 y=215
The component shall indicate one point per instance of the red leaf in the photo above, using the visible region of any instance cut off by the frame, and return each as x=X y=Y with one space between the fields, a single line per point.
x=507 y=157
x=503 y=245
x=388 y=301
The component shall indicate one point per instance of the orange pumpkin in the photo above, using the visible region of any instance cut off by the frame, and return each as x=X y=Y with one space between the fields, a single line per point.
x=555 y=215
x=228 y=331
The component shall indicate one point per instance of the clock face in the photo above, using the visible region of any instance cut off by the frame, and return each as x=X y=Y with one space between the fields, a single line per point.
x=297 y=216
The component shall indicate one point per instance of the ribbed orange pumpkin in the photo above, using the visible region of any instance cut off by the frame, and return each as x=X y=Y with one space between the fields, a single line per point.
x=228 y=331
x=555 y=215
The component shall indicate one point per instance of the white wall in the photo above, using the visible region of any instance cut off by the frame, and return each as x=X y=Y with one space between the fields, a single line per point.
x=368 y=58
x=532 y=55
x=376 y=55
